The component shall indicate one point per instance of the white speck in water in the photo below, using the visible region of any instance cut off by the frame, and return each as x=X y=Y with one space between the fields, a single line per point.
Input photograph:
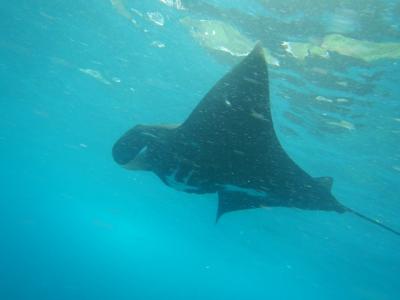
x=323 y=99
x=116 y=79
x=288 y=47
x=156 y=17
x=342 y=83
x=137 y=12
x=342 y=100
x=174 y=4
x=83 y=145
x=158 y=44
x=95 y=74
x=343 y=124
x=257 y=115
x=169 y=3
x=178 y=4
x=228 y=103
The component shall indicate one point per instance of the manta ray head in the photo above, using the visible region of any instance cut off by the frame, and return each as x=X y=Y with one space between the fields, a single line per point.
x=131 y=149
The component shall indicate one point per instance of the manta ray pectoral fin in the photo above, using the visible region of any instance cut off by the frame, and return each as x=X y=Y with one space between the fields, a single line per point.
x=236 y=109
x=326 y=182
x=231 y=201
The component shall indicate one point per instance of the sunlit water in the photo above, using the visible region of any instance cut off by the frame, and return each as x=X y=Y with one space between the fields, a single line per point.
x=74 y=75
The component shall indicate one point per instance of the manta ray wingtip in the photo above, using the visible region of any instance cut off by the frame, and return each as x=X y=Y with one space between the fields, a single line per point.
x=257 y=54
x=258 y=49
x=258 y=45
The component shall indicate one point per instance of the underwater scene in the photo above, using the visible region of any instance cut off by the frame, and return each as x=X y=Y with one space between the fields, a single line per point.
x=210 y=149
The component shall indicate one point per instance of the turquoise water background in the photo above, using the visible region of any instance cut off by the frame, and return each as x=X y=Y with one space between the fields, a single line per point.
x=74 y=225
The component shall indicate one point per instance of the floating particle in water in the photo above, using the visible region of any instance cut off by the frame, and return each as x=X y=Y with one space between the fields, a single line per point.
x=95 y=74
x=119 y=6
x=231 y=52
x=171 y=3
x=323 y=99
x=158 y=44
x=343 y=124
x=287 y=47
x=342 y=100
x=156 y=17
x=343 y=83
x=139 y=13
x=257 y=115
x=83 y=145
x=178 y=4
x=116 y=79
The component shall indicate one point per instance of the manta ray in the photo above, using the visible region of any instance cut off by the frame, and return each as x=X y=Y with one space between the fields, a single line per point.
x=228 y=146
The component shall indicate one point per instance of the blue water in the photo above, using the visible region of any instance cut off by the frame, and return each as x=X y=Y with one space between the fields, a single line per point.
x=73 y=225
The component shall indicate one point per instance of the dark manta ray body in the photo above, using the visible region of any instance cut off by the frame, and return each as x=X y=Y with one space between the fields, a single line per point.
x=228 y=146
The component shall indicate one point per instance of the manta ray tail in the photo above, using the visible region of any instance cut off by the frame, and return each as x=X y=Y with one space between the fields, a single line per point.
x=371 y=220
